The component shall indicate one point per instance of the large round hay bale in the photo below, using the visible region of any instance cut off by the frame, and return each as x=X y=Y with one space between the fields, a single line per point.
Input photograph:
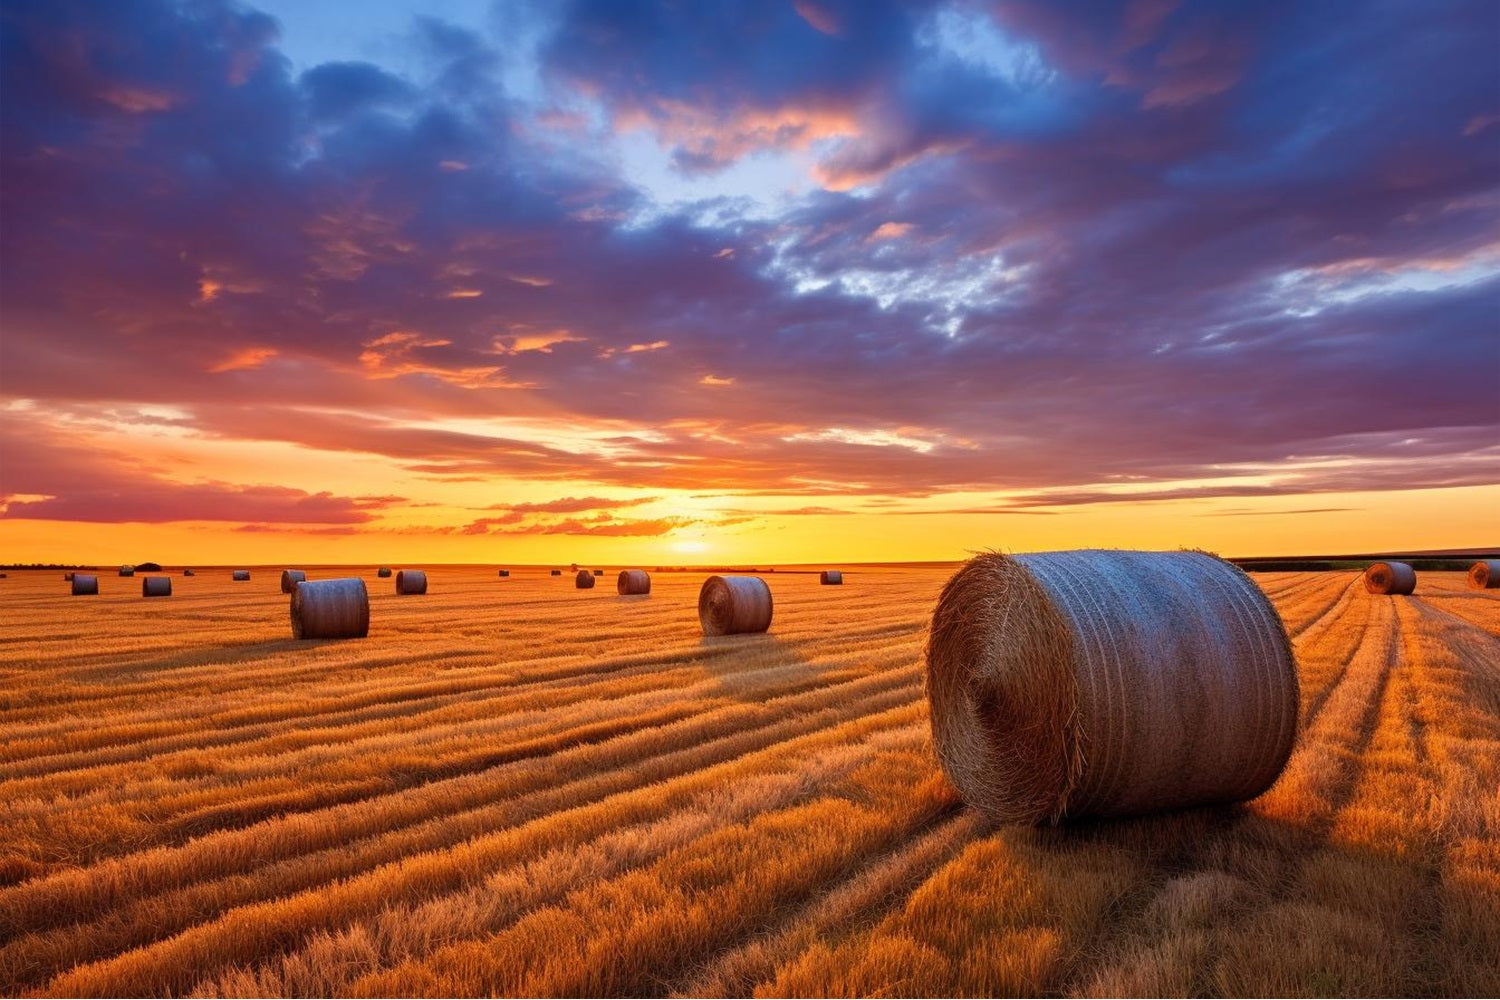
x=290 y=578
x=156 y=586
x=127 y=571
x=85 y=583
x=728 y=605
x=504 y=573
x=1485 y=574
x=831 y=577
x=383 y=572
x=239 y=575
x=1390 y=578
x=331 y=609
x=634 y=581
x=1103 y=683
x=411 y=581
x=584 y=580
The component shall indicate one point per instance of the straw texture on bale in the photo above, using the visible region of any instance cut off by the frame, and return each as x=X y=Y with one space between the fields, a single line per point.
x=584 y=580
x=331 y=609
x=634 y=581
x=1390 y=578
x=505 y=572
x=290 y=578
x=729 y=605
x=1485 y=574
x=240 y=575
x=1103 y=683
x=831 y=578
x=127 y=571
x=84 y=583
x=383 y=572
x=411 y=581
x=156 y=586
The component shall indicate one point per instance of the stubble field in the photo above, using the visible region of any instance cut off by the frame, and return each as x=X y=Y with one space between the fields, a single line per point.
x=516 y=787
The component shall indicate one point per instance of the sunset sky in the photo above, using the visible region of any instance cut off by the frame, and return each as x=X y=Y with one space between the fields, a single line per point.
x=764 y=281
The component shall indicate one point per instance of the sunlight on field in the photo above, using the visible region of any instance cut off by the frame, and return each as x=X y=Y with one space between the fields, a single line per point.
x=516 y=787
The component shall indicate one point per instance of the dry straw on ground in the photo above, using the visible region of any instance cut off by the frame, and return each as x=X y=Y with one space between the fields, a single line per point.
x=411 y=581
x=240 y=575
x=331 y=609
x=1390 y=578
x=85 y=583
x=634 y=581
x=1485 y=574
x=156 y=586
x=290 y=578
x=584 y=580
x=1102 y=683
x=831 y=577
x=728 y=605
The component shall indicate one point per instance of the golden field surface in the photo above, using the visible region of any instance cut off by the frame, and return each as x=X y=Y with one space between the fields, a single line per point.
x=516 y=787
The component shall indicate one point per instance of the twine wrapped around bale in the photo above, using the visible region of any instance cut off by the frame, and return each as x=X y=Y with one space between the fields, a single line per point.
x=383 y=572
x=127 y=571
x=290 y=578
x=411 y=581
x=156 y=586
x=504 y=573
x=1485 y=574
x=1102 y=683
x=584 y=580
x=634 y=581
x=831 y=578
x=85 y=583
x=1390 y=578
x=331 y=609
x=240 y=575
x=729 y=605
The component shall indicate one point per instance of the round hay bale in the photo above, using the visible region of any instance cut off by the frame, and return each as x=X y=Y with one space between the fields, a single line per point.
x=1102 y=683
x=634 y=581
x=831 y=578
x=156 y=586
x=598 y=572
x=127 y=571
x=240 y=575
x=411 y=581
x=584 y=580
x=67 y=576
x=1390 y=578
x=557 y=572
x=85 y=583
x=504 y=573
x=188 y=572
x=331 y=609
x=1485 y=574
x=729 y=605
x=290 y=578
x=383 y=572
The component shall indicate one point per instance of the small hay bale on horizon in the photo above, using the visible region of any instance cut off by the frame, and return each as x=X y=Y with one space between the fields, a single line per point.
x=156 y=586
x=411 y=581
x=1390 y=578
x=331 y=609
x=598 y=572
x=1108 y=683
x=556 y=572
x=1485 y=574
x=240 y=575
x=831 y=577
x=383 y=572
x=504 y=573
x=290 y=578
x=734 y=605
x=85 y=583
x=127 y=571
x=584 y=580
x=634 y=581
x=188 y=572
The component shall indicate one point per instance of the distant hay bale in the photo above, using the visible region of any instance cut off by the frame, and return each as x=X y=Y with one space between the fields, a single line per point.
x=505 y=572
x=383 y=572
x=331 y=609
x=411 y=581
x=156 y=586
x=729 y=605
x=557 y=572
x=127 y=571
x=240 y=575
x=1485 y=574
x=634 y=581
x=598 y=572
x=67 y=576
x=85 y=583
x=584 y=580
x=290 y=578
x=831 y=578
x=1390 y=578
x=1102 y=683
x=188 y=572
